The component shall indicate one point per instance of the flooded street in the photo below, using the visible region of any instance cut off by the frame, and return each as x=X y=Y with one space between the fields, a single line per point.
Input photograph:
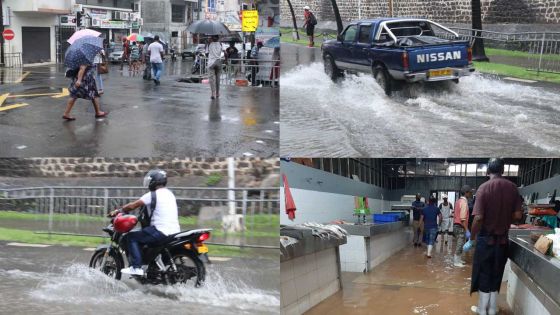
x=56 y=280
x=482 y=115
x=408 y=283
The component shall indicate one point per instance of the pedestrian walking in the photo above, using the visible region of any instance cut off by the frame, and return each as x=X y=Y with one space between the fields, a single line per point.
x=98 y=62
x=461 y=224
x=309 y=24
x=254 y=54
x=446 y=225
x=83 y=86
x=147 y=64
x=497 y=205
x=126 y=53
x=232 y=56
x=428 y=218
x=135 y=57
x=156 y=58
x=417 y=228
x=214 y=52
x=111 y=46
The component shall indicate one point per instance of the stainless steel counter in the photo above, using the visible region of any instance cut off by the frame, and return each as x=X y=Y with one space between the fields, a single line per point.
x=307 y=245
x=369 y=230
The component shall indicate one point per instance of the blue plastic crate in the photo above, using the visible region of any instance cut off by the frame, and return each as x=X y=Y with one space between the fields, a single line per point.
x=386 y=217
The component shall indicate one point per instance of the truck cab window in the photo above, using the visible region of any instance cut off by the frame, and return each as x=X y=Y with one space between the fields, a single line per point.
x=350 y=33
x=365 y=31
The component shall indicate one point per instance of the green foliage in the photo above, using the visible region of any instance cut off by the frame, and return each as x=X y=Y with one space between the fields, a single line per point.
x=213 y=179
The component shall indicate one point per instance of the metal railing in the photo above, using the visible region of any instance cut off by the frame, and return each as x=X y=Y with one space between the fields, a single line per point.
x=256 y=72
x=97 y=201
x=12 y=59
x=541 y=50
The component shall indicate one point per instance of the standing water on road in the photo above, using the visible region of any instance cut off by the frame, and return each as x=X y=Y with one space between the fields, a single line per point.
x=353 y=117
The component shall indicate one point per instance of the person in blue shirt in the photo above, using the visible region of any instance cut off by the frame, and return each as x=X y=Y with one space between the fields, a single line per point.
x=429 y=218
x=417 y=228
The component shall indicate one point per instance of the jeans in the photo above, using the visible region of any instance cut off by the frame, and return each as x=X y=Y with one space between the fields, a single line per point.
x=158 y=68
x=147 y=236
x=459 y=232
x=98 y=78
x=431 y=233
x=214 y=71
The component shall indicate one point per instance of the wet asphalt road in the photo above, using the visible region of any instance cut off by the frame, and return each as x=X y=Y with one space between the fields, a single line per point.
x=145 y=120
x=56 y=280
x=482 y=115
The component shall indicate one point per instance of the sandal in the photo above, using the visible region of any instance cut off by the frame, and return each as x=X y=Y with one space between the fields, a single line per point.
x=68 y=118
x=102 y=115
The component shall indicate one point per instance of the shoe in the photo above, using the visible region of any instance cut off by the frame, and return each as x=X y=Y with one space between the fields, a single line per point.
x=133 y=271
x=155 y=81
x=68 y=118
x=483 y=299
x=102 y=115
x=457 y=262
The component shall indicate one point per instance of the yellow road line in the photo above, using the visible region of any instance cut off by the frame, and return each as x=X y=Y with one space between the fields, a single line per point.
x=54 y=94
x=13 y=106
x=25 y=74
x=3 y=98
x=64 y=93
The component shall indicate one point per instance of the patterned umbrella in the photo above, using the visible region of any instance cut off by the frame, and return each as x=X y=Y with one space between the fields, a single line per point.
x=82 y=52
x=82 y=33
x=135 y=37
x=208 y=27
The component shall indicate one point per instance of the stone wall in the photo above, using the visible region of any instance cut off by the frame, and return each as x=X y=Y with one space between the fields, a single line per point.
x=132 y=167
x=444 y=11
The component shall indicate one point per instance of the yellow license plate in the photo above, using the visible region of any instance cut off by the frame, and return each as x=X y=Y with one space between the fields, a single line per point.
x=441 y=73
x=202 y=249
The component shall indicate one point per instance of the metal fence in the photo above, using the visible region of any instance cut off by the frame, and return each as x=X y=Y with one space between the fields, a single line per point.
x=256 y=72
x=12 y=59
x=98 y=201
x=536 y=51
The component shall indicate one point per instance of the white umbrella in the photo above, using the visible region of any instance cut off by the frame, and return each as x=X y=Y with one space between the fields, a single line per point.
x=82 y=33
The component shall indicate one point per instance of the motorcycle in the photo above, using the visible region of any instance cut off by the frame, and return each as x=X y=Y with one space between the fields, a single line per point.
x=199 y=54
x=173 y=54
x=179 y=258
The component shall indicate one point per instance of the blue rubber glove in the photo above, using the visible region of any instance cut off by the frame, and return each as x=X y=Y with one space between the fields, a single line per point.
x=468 y=234
x=468 y=246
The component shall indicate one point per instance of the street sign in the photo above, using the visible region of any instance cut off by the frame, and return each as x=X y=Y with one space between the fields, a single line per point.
x=250 y=20
x=8 y=34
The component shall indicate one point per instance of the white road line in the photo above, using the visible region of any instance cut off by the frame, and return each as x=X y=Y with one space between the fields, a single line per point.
x=27 y=245
x=519 y=80
x=219 y=258
x=89 y=249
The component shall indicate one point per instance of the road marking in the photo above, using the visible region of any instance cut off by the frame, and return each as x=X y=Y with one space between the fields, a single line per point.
x=3 y=97
x=89 y=249
x=25 y=74
x=64 y=93
x=220 y=258
x=27 y=245
x=519 y=80
x=13 y=106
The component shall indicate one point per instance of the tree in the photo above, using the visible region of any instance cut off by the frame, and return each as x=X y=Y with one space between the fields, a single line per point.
x=293 y=19
x=478 y=46
x=337 y=17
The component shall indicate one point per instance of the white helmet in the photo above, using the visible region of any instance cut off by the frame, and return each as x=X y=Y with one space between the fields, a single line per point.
x=443 y=196
x=306 y=7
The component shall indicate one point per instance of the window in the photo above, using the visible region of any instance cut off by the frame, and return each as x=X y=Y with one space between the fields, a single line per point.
x=350 y=33
x=177 y=13
x=365 y=31
x=175 y=34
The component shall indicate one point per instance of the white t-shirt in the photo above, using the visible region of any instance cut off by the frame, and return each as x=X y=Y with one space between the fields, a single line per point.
x=165 y=217
x=214 y=52
x=155 y=49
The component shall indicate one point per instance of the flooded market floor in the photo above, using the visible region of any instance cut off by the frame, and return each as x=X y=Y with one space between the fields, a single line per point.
x=409 y=283
x=56 y=280
x=481 y=115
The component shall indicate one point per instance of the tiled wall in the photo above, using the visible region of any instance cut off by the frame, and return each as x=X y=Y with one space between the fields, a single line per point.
x=307 y=280
x=524 y=297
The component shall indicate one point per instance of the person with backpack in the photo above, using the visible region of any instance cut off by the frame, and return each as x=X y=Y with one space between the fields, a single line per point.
x=161 y=218
x=309 y=24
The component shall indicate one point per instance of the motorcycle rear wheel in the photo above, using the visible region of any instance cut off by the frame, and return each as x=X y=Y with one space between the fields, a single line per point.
x=189 y=269
x=113 y=264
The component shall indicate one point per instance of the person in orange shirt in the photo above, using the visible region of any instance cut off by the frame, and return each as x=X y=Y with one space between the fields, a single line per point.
x=461 y=223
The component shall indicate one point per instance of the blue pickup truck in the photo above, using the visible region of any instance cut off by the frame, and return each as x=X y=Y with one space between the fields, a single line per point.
x=398 y=51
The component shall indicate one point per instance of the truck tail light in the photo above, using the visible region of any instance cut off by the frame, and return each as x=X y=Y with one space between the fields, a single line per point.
x=469 y=55
x=405 y=60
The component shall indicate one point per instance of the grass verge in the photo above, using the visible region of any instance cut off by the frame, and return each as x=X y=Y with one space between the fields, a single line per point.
x=25 y=236
x=518 y=54
x=515 y=71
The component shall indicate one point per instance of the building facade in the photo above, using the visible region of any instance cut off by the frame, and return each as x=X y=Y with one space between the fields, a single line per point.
x=169 y=19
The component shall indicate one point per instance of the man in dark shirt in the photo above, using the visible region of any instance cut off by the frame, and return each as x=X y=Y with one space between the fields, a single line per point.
x=429 y=219
x=497 y=205
x=417 y=228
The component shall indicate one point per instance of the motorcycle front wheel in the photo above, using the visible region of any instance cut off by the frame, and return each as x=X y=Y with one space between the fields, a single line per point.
x=112 y=266
x=190 y=269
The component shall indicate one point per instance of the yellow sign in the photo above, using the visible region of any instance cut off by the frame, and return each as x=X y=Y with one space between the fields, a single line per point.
x=250 y=20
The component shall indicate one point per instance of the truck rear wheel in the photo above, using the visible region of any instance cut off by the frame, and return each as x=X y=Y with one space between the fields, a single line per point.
x=331 y=69
x=384 y=79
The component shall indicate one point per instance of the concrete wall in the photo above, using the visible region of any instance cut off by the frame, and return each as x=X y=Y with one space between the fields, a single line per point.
x=322 y=197
x=448 y=11
x=308 y=280
x=524 y=297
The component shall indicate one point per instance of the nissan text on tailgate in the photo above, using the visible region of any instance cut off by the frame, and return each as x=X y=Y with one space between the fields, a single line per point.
x=398 y=51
